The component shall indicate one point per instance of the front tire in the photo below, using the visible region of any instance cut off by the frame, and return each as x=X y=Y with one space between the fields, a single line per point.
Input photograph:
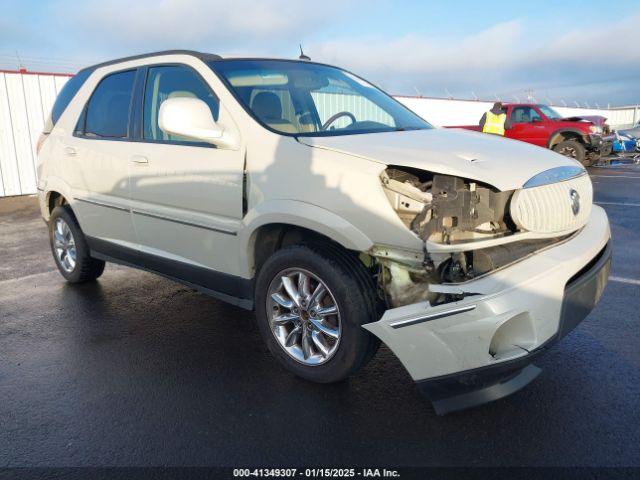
x=572 y=149
x=311 y=303
x=69 y=247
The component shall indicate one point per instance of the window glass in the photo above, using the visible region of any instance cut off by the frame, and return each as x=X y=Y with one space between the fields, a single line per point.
x=303 y=98
x=67 y=93
x=524 y=115
x=338 y=96
x=171 y=82
x=107 y=113
x=549 y=112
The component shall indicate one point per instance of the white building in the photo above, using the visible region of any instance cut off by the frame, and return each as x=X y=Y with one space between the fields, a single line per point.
x=27 y=97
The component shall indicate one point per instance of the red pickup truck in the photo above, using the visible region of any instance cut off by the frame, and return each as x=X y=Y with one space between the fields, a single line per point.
x=584 y=138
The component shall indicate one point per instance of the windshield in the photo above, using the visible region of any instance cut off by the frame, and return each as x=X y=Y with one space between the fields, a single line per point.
x=549 y=112
x=307 y=99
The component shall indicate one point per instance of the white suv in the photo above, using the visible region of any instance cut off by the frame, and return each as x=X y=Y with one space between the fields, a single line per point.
x=305 y=193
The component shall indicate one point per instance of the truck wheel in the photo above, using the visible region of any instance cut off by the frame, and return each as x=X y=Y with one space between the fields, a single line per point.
x=311 y=302
x=70 y=249
x=573 y=149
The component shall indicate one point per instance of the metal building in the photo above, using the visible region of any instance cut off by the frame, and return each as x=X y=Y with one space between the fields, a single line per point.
x=26 y=99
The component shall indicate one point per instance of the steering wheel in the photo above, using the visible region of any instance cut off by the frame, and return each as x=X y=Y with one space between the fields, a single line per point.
x=335 y=117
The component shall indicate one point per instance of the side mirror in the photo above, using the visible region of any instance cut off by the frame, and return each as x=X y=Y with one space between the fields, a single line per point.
x=191 y=118
x=536 y=120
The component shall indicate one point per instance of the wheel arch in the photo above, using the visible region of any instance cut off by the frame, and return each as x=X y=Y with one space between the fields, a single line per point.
x=283 y=222
x=563 y=134
x=55 y=192
x=54 y=199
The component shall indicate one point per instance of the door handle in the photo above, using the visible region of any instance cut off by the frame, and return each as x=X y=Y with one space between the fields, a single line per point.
x=140 y=159
x=70 y=151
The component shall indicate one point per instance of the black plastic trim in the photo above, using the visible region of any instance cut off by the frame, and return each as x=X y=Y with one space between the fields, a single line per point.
x=101 y=204
x=183 y=222
x=230 y=288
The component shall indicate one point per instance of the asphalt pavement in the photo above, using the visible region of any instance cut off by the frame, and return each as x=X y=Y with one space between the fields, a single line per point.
x=137 y=370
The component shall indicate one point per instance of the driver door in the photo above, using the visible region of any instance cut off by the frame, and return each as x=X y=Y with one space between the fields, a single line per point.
x=527 y=125
x=186 y=196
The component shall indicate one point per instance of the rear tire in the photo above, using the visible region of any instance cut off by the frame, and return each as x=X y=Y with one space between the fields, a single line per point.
x=69 y=248
x=572 y=149
x=341 y=346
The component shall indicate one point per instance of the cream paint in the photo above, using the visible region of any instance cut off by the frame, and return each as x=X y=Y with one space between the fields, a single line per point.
x=504 y=163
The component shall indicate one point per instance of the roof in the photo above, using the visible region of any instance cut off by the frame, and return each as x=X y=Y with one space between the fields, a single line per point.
x=202 y=56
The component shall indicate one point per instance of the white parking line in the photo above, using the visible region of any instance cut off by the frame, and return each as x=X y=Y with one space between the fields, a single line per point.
x=631 y=281
x=615 y=176
x=620 y=204
x=26 y=277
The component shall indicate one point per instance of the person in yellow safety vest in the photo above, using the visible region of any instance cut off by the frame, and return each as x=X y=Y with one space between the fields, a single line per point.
x=495 y=121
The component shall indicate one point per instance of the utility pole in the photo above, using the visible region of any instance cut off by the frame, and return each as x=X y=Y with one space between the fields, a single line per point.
x=530 y=97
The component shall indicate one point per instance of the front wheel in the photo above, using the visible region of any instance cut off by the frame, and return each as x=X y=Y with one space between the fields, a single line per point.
x=70 y=249
x=311 y=302
x=572 y=149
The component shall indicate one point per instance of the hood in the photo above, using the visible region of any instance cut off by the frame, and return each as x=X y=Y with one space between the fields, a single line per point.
x=503 y=163
x=595 y=119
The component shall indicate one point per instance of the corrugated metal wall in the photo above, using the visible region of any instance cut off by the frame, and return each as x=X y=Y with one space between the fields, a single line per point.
x=26 y=100
x=25 y=103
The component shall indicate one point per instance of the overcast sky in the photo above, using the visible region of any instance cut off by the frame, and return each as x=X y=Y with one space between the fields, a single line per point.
x=571 y=50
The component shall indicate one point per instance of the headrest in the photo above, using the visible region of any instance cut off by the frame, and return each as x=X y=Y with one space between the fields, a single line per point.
x=266 y=105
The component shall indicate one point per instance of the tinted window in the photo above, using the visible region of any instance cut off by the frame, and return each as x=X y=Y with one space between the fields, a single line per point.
x=107 y=113
x=524 y=115
x=172 y=82
x=68 y=91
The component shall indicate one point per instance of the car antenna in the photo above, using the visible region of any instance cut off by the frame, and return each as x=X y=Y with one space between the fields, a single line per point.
x=303 y=56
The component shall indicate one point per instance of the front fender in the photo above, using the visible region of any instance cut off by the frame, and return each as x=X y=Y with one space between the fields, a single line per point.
x=300 y=214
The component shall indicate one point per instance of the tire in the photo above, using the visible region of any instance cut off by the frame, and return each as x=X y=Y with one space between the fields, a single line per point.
x=572 y=149
x=349 y=287
x=69 y=248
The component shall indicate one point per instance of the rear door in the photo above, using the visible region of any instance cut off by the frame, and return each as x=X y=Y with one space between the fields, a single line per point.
x=186 y=196
x=97 y=155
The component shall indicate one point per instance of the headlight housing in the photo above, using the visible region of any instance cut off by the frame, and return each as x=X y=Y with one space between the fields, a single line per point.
x=595 y=129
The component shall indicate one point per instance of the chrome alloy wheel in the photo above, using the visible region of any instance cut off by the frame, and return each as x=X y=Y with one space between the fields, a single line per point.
x=64 y=245
x=303 y=316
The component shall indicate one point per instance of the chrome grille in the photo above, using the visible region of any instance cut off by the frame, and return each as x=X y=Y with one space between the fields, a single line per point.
x=550 y=208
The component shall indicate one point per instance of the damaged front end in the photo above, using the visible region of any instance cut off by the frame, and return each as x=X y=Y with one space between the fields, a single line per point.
x=468 y=231
x=502 y=276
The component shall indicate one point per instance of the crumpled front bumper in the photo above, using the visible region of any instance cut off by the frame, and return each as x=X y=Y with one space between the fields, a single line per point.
x=479 y=349
x=600 y=142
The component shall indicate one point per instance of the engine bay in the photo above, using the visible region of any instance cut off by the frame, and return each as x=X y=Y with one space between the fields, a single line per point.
x=447 y=210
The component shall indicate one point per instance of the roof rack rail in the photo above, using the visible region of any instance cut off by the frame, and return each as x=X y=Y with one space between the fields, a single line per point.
x=193 y=53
